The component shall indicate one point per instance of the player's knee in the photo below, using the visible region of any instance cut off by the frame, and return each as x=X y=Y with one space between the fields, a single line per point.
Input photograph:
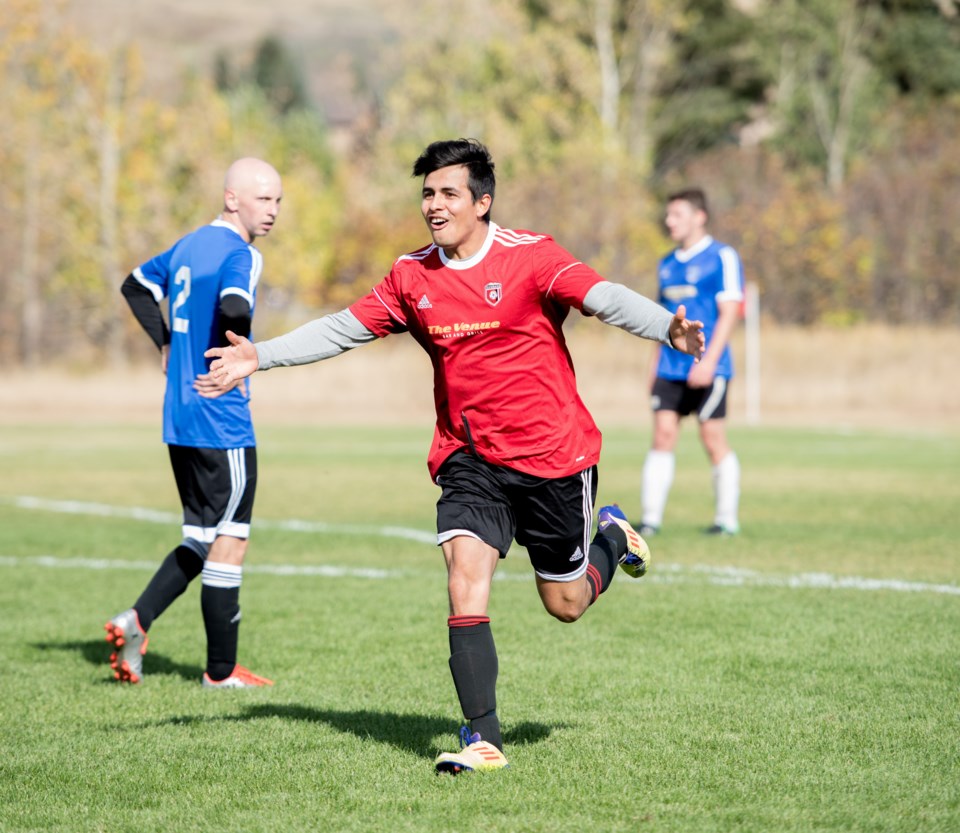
x=565 y=610
x=664 y=439
x=565 y=601
x=228 y=549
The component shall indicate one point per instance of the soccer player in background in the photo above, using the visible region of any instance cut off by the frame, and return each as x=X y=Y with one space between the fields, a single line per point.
x=211 y=279
x=515 y=449
x=704 y=276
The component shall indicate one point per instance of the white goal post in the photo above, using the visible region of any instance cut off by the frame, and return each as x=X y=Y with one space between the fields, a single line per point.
x=751 y=348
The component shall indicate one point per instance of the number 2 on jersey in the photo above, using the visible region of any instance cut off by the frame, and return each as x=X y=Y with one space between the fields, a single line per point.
x=180 y=324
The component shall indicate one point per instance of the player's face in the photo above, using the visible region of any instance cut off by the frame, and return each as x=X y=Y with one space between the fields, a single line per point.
x=258 y=205
x=685 y=223
x=452 y=215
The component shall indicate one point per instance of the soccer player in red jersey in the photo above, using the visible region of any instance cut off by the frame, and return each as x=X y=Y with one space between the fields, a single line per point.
x=515 y=449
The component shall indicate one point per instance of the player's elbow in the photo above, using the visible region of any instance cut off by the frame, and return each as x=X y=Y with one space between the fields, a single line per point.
x=236 y=316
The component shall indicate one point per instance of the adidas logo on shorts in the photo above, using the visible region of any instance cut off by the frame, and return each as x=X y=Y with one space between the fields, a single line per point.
x=577 y=555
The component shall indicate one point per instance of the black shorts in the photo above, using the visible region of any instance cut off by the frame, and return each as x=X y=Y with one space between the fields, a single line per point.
x=709 y=403
x=552 y=518
x=217 y=487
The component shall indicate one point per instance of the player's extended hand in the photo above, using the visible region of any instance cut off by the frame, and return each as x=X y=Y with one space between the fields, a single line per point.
x=232 y=363
x=687 y=335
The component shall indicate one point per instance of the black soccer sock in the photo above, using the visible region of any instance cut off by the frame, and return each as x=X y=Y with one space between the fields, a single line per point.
x=220 y=603
x=605 y=551
x=473 y=663
x=179 y=568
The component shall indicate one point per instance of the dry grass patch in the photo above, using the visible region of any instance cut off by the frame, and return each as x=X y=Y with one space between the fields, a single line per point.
x=864 y=377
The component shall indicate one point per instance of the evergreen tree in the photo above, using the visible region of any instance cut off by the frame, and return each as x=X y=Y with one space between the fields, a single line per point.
x=277 y=73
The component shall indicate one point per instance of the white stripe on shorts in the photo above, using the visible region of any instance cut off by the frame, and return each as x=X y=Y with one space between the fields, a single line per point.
x=237 y=461
x=450 y=534
x=586 y=503
x=199 y=533
x=586 y=478
x=238 y=481
x=716 y=394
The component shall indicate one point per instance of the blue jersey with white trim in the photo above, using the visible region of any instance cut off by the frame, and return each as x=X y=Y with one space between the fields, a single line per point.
x=700 y=278
x=196 y=273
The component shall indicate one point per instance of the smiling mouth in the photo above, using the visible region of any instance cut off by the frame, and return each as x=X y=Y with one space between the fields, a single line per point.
x=437 y=222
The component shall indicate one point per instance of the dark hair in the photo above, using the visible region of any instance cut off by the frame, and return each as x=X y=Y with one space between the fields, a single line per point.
x=695 y=196
x=467 y=152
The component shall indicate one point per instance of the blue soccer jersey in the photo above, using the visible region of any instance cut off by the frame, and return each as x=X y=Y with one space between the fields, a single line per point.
x=195 y=273
x=700 y=278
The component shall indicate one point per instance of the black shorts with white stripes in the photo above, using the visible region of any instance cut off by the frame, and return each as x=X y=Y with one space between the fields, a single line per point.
x=709 y=403
x=552 y=518
x=217 y=487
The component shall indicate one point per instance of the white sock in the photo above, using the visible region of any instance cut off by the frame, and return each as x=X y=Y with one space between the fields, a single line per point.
x=220 y=574
x=726 y=488
x=658 y=471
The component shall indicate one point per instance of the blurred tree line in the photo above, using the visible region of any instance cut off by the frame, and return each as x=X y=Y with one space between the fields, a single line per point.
x=826 y=133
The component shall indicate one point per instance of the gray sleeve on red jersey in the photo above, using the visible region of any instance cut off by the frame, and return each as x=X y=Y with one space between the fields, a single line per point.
x=615 y=304
x=322 y=338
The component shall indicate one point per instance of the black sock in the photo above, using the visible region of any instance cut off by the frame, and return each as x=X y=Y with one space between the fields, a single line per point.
x=221 y=619
x=605 y=552
x=179 y=568
x=473 y=663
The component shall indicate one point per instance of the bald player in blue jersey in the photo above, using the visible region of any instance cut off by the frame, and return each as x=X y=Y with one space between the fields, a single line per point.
x=210 y=280
x=705 y=276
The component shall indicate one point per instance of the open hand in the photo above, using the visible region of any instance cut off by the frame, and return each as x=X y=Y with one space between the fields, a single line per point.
x=232 y=363
x=686 y=335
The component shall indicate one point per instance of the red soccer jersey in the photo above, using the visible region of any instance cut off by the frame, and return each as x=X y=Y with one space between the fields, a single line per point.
x=492 y=326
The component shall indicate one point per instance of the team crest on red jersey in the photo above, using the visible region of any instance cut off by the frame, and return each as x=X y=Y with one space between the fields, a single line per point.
x=493 y=292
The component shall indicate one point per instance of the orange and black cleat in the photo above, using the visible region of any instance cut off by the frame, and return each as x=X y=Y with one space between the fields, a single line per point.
x=130 y=641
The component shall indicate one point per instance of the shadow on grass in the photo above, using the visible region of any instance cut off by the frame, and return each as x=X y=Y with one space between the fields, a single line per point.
x=410 y=732
x=97 y=652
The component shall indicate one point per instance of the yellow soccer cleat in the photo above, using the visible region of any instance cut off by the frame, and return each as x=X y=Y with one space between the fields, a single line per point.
x=474 y=754
x=636 y=559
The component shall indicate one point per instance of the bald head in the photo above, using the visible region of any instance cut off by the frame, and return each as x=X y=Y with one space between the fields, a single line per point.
x=247 y=172
x=251 y=197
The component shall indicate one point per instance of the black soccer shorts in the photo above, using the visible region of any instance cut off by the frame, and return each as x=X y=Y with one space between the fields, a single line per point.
x=708 y=403
x=217 y=487
x=552 y=518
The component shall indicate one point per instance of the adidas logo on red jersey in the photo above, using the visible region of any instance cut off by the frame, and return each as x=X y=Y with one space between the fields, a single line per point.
x=424 y=303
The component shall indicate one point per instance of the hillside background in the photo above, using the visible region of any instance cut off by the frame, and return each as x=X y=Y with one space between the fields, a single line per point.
x=826 y=132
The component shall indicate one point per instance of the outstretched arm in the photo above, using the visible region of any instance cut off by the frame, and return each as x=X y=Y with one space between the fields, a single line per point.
x=621 y=307
x=315 y=341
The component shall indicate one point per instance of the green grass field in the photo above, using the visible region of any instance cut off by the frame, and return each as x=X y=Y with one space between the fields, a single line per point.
x=804 y=676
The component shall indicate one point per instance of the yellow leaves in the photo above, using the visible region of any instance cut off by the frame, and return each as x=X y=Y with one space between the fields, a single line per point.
x=20 y=25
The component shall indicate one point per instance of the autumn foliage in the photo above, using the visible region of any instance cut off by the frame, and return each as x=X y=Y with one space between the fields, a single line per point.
x=828 y=163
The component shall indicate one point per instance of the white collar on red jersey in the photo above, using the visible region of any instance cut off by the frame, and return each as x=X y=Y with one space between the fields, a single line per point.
x=475 y=258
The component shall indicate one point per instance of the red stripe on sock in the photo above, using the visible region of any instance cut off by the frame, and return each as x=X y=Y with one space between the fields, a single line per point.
x=466 y=621
x=593 y=575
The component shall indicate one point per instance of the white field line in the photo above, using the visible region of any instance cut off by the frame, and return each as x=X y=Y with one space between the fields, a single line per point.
x=661 y=574
x=77 y=507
